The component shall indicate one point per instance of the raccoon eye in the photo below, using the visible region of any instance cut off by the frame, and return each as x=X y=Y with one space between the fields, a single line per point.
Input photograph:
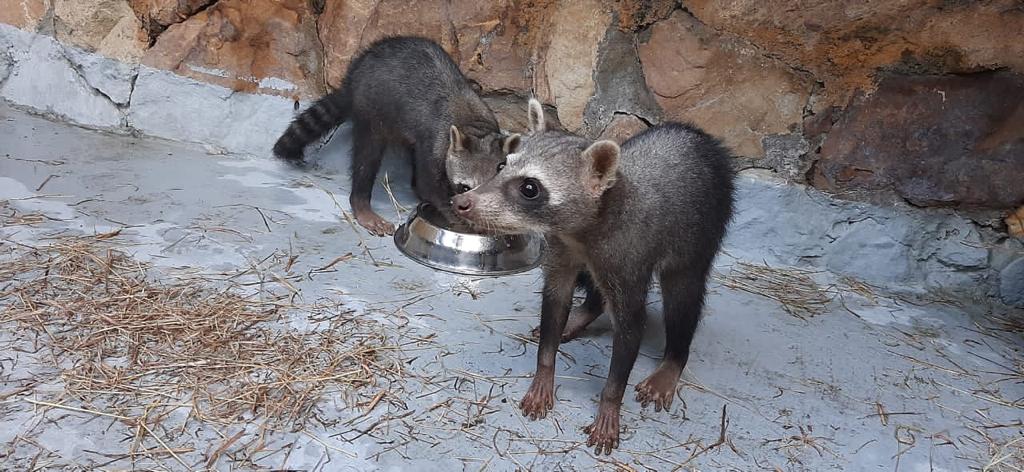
x=529 y=189
x=463 y=188
x=501 y=165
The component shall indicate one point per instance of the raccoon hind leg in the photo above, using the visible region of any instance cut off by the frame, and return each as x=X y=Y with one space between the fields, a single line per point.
x=682 y=290
x=367 y=155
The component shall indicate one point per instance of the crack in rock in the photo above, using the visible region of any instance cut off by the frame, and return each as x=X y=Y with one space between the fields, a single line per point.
x=107 y=77
x=6 y=60
x=42 y=78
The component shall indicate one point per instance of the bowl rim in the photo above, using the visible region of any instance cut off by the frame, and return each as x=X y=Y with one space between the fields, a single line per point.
x=404 y=227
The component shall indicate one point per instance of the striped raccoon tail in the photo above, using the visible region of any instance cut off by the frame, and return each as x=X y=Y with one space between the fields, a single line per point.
x=311 y=125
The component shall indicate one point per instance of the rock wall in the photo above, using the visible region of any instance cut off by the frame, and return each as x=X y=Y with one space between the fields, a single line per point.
x=790 y=86
x=917 y=102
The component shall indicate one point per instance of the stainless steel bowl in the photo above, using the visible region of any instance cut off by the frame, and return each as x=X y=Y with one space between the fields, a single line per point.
x=430 y=239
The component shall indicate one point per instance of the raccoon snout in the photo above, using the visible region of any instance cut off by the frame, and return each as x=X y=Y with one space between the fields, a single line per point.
x=463 y=204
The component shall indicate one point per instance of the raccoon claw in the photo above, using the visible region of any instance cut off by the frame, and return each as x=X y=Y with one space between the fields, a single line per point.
x=539 y=399
x=604 y=432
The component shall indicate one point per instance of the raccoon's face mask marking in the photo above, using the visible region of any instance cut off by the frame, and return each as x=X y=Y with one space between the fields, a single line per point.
x=553 y=186
x=473 y=161
x=553 y=183
x=506 y=205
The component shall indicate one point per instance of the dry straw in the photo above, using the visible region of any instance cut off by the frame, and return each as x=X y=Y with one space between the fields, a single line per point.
x=792 y=287
x=131 y=347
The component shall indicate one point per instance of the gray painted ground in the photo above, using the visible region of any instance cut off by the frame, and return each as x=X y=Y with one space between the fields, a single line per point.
x=798 y=394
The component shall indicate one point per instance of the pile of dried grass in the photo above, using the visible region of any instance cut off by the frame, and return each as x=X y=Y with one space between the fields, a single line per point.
x=131 y=347
x=794 y=288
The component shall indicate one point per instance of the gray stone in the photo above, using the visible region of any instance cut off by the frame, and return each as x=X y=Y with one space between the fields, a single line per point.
x=108 y=76
x=1005 y=252
x=175 y=107
x=43 y=79
x=959 y=284
x=619 y=85
x=898 y=247
x=871 y=249
x=957 y=244
x=510 y=110
x=6 y=57
x=788 y=155
x=781 y=223
x=1011 y=283
x=950 y=255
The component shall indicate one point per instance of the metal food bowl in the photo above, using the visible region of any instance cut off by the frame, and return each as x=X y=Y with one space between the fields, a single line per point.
x=430 y=239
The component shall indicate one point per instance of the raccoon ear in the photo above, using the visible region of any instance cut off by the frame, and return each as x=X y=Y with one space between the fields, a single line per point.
x=452 y=166
x=511 y=144
x=603 y=157
x=456 y=142
x=535 y=116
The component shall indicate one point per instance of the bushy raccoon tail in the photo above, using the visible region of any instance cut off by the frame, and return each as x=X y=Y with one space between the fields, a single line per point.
x=311 y=125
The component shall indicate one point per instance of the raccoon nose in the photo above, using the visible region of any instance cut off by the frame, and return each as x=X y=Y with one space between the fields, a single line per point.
x=462 y=204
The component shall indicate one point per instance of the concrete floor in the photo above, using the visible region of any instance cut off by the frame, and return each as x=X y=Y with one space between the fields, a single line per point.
x=797 y=394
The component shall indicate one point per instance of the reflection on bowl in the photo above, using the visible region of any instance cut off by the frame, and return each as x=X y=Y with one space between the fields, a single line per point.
x=430 y=239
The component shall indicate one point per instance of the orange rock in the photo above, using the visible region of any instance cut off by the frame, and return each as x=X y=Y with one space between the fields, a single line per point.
x=503 y=48
x=622 y=128
x=844 y=44
x=500 y=44
x=24 y=14
x=494 y=42
x=1015 y=223
x=637 y=14
x=264 y=46
x=729 y=89
x=108 y=27
x=347 y=26
x=572 y=56
x=157 y=15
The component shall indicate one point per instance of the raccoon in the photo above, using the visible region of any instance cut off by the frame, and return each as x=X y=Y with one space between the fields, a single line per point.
x=659 y=205
x=406 y=90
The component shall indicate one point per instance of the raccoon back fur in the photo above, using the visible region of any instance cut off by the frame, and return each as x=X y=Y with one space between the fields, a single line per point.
x=406 y=91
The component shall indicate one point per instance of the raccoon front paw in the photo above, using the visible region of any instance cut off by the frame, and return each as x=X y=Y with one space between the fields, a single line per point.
x=660 y=387
x=540 y=398
x=604 y=432
x=374 y=223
